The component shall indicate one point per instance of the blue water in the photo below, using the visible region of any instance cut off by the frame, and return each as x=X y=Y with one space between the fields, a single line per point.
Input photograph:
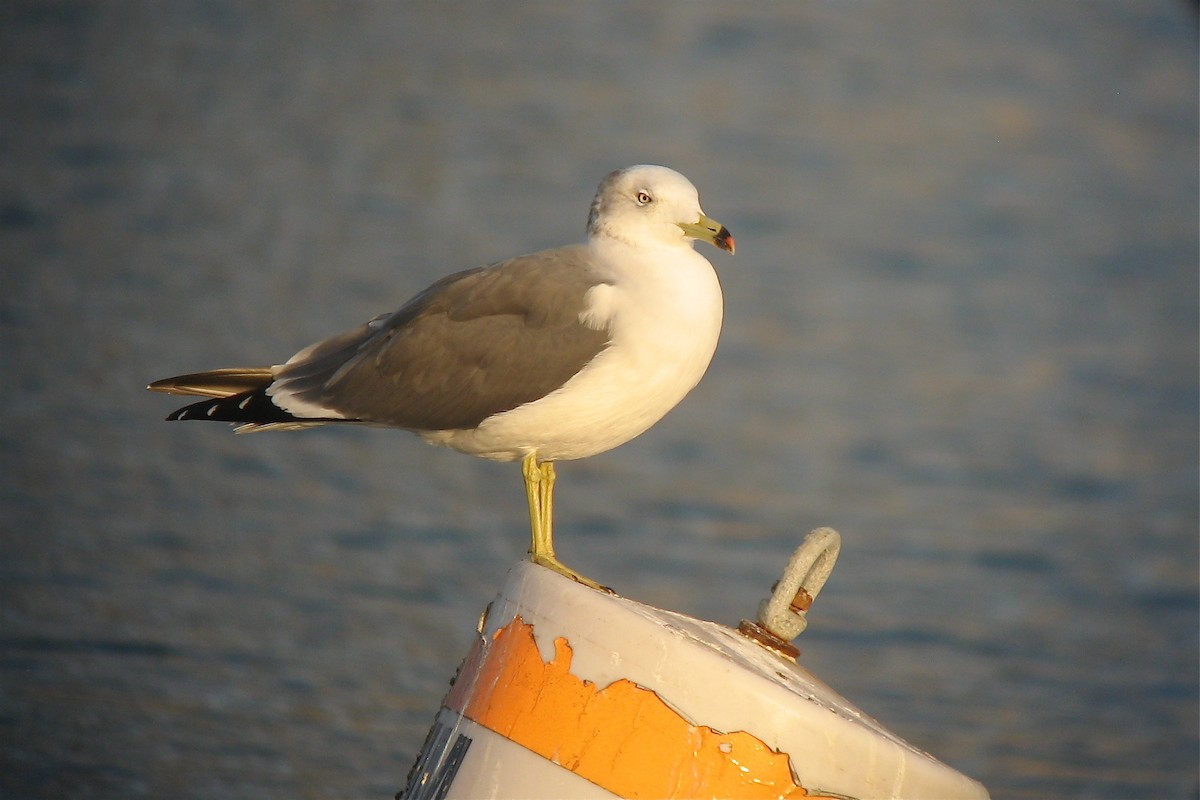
x=961 y=327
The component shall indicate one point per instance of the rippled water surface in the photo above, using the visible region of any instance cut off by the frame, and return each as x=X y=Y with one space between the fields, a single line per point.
x=961 y=327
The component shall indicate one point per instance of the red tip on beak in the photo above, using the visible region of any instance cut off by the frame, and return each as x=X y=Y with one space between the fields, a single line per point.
x=724 y=240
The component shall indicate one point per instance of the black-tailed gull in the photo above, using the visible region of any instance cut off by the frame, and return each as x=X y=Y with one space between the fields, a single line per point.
x=546 y=357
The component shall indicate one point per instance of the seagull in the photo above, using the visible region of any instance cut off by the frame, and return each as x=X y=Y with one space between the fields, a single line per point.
x=552 y=356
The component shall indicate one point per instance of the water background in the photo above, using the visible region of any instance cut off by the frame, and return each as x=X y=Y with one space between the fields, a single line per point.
x=961 y=327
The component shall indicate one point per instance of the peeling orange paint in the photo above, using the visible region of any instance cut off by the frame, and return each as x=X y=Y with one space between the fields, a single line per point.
x=623 y=737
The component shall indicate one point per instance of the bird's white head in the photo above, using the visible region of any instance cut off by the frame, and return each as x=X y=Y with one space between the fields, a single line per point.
x=649 y=205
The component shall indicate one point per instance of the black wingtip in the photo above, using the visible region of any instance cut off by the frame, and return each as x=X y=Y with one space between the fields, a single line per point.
x=247 y=408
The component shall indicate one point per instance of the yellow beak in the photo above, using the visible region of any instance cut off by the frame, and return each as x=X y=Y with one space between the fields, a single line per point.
x=709 y=230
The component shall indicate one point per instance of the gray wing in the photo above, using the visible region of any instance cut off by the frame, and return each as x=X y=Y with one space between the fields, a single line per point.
x=471 y=345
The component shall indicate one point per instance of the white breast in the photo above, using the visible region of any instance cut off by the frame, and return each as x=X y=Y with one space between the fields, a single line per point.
x=663 y=308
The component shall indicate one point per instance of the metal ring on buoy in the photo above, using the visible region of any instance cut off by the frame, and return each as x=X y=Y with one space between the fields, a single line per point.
x=784 y=613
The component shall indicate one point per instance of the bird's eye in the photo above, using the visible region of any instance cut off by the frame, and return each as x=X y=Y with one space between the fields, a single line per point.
x=643 y=198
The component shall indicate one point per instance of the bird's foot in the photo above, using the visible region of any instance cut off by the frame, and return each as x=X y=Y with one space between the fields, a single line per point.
x=550 y=562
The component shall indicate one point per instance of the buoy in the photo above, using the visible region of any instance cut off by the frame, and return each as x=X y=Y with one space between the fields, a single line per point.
x=573 y=693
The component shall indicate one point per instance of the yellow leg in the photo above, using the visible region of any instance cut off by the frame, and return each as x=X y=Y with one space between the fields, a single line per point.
x=539 y=491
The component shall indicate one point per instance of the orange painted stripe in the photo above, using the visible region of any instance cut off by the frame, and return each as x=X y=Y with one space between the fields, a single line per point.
x=623 y=737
